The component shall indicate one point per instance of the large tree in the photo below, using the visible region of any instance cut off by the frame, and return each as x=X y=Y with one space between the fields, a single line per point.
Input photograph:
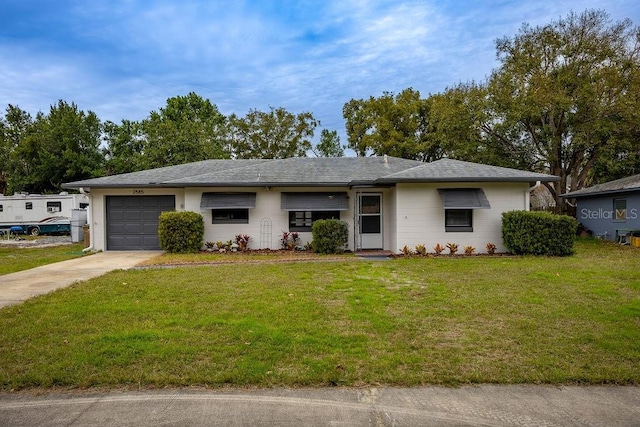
x=13 y=129
x=123 y=147
x=329 y=145
x=189 y=128
x=58 y=147
x=397 y=125
x=570 y=90
x=276 y=134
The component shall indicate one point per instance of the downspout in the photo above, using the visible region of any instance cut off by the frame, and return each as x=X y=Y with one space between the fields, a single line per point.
x=527 y=195
x=89 y=219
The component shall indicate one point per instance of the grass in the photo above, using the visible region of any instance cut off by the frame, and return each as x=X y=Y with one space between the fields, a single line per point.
x=239 y=257
x=13 y=259
x=402 y=322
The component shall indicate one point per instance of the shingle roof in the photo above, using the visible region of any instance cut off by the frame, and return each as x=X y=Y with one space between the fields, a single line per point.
x=458 y=171
x=297 y=171
x=630 y=183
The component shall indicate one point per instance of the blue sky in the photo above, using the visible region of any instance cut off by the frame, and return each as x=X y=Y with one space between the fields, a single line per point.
x=124 y=58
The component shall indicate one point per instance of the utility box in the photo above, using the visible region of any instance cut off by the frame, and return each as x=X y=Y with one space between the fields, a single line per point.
x=78 y=220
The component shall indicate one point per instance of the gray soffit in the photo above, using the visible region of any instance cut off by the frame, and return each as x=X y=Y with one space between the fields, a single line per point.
x=464 y=198
x=228 y=201
x=623 y=185
x=449 y=170
x=314 y=201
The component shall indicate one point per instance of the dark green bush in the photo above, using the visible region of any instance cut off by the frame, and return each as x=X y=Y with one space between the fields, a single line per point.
x=538 y=233
x=181 y=232
x=329 y=236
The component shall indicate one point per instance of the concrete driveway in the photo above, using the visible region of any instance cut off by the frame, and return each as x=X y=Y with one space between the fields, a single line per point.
x=17 y=287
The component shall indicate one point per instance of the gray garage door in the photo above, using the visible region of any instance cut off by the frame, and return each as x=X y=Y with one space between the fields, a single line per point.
x=132 y=221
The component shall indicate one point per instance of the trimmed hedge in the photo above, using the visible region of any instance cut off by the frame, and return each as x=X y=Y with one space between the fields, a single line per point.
x=181 y=232
x=329 y=236
x=538 y=233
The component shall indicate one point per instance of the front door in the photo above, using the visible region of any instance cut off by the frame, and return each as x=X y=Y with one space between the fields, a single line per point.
x=370 y=220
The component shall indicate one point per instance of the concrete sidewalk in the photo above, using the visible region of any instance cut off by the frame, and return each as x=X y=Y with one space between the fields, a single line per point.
x=17 y=287
x=485 y=405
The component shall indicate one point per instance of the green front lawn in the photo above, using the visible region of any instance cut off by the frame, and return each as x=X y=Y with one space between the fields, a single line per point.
x=401 y=322
x=13 y=259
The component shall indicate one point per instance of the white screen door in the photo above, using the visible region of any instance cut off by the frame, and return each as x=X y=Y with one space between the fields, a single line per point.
x=370 y=221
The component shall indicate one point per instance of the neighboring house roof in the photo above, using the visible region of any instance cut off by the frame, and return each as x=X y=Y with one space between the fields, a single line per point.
x=622 y=185
x=305 y=171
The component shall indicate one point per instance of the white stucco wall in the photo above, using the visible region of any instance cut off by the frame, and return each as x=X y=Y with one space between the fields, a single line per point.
x=413 y=214
x=99 y=209
x=420 y=215
x=267 y=207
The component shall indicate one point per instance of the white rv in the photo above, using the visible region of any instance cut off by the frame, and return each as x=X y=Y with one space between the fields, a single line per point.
x=23 y=209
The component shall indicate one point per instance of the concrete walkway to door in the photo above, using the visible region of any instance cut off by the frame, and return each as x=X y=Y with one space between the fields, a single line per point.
x=17 y=287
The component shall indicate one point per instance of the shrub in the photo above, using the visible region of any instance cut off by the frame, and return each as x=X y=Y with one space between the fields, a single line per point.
x=453 y=248
x=329 y=236
x=289 y=240
x=242 y=240
x=181 y=232
x=438 y=249
x=469 y=250
x=491 y=248
x=538 y=233
x=406 y=250
x=421 y=250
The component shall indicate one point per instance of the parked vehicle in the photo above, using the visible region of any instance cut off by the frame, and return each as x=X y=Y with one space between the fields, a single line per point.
x=36 y=214
x=52 y=225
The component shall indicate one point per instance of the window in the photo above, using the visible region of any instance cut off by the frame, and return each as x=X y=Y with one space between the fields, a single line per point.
x=54 y=207
x=1 y=208
x=230 y=216
x=620 y=210
x=303 y=220
x=458 y=220
x=28 y=205
x=84 y=205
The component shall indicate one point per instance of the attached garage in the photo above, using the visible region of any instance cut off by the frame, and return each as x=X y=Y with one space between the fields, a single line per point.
x=132 y=221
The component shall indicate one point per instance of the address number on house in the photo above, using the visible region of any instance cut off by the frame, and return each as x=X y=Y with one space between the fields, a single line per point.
x=138 y=192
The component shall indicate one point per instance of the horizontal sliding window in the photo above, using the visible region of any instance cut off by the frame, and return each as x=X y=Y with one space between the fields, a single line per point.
x=230 y=216
x=303 y=220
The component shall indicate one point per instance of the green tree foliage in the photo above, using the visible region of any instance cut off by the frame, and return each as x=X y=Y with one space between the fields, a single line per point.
x=188 y=129
x=329 y=145
x=463 y=126
x=276 y=134
x=58 y=147
x=397 y=125
x=123 y=147
x=570 y=90
x=13 y=129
